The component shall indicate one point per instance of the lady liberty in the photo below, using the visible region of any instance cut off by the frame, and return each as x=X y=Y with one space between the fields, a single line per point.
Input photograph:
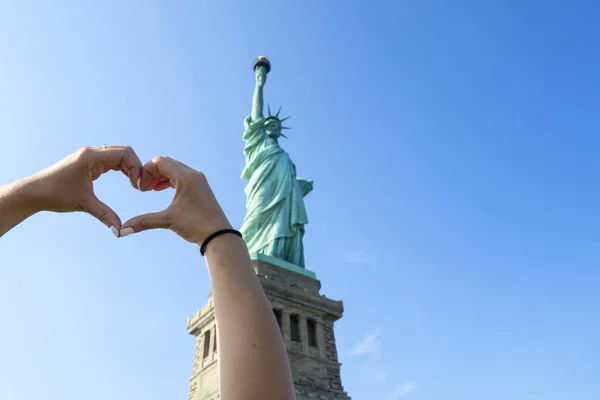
x=275 y=213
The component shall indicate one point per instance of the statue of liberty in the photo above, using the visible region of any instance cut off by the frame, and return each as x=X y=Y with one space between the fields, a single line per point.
x=275 y=213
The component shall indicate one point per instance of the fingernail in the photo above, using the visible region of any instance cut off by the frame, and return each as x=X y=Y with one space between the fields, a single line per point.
x=139 y=181
x=114 y=231
x=126 y=232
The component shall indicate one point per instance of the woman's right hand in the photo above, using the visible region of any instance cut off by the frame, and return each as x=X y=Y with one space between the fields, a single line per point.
x=194 y=212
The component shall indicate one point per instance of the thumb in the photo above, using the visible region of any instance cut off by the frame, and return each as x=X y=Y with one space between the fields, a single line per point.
x=104 y=213
x=157 y=220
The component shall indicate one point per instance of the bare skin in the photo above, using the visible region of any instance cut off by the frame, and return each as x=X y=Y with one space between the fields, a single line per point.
x=253 y=361
x=68 y=186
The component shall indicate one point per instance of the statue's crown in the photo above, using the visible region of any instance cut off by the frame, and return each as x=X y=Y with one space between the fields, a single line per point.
x=275 y=117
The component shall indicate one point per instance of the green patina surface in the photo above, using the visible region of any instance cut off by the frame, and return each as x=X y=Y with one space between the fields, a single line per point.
x=283 y=264
x=275 y=212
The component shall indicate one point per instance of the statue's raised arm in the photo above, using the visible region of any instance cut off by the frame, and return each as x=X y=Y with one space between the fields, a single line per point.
x=275 y=213
x=261 y=67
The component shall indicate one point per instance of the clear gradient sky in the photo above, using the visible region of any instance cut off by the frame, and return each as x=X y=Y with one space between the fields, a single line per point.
x=456 y=211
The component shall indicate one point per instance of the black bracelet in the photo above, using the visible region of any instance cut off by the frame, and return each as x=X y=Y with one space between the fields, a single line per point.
x=214 y=235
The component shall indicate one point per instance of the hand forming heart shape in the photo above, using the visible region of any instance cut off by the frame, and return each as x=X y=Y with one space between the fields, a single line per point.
x=246 y=322
x=67 y=186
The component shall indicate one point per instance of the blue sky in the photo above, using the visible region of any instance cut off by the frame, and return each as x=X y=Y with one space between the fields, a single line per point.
x=456 y=211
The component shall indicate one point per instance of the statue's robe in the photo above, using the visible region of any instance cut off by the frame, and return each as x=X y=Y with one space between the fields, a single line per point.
x=275 y=213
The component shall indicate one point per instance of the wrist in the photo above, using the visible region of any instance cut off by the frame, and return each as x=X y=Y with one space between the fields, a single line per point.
x=35 y=193
x=212 y=227
x=222 y=243
x=27 y=196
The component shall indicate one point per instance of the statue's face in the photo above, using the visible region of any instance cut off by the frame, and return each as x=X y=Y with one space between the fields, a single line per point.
x=273 y=129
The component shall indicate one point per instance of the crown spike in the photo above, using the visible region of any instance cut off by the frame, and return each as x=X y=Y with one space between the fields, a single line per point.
x=278 y=111
x=269 y=108
x=285 y=127
x=286 y=118
x=281 y=134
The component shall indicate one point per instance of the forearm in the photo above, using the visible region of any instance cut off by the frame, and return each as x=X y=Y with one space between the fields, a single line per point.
x=257 y=103
x=253 y=359
x=16 y=204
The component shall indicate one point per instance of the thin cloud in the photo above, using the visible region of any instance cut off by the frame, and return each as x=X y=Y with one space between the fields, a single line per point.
x=369 y=259
x=361 y=257
x=402 y=390
x=373 y=374
x=369 y=345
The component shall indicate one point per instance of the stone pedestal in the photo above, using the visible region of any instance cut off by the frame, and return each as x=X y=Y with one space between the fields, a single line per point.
x=307 y=322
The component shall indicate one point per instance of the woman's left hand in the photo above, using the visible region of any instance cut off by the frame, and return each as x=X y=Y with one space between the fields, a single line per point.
x=68 y=185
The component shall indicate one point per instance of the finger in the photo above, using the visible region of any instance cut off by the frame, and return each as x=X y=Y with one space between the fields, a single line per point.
x=123 y=158
x=103 y=213
x=162 y=185
x=146 y=181
x=166 y=168
x=157 y=220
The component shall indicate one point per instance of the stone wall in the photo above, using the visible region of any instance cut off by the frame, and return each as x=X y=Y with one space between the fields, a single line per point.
x=330 y=347
x=315 y=369
x=204 y=382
